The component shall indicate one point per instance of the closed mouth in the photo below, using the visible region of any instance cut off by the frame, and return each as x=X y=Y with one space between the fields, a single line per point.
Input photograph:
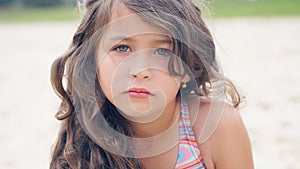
x=139 y=93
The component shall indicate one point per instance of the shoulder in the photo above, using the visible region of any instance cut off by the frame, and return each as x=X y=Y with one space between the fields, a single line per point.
x=222 y=136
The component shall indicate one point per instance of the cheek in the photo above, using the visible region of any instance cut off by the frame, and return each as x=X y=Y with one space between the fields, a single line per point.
x=174 y=88
x=105 y=75
x=169 y=84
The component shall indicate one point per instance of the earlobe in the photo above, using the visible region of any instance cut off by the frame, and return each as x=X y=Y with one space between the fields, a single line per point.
x=184 y=80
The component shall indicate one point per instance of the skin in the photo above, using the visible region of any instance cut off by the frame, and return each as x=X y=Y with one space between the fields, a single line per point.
x=228 y=145
x=147 y=47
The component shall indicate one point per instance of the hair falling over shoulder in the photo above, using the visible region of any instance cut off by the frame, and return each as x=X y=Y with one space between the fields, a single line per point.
x=74 y=148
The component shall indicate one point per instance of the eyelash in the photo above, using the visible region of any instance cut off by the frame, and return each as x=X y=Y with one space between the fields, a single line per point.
x=118 y=47
x=167 y=52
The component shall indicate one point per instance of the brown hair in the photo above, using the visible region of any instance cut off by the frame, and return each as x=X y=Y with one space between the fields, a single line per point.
x=74 y=148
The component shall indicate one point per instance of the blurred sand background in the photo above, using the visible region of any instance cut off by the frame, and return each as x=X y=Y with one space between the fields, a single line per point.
x=260 y=55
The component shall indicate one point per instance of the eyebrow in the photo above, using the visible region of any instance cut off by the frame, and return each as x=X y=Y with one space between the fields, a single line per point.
x=125 y=38
x=169 y=41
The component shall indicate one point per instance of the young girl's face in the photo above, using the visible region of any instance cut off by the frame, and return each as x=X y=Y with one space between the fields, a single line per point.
x=133 y=59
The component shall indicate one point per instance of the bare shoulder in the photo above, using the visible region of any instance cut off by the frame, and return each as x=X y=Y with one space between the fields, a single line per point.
x=222 y=136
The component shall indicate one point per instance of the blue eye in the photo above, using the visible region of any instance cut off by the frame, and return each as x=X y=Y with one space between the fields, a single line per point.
x=163 y=52
x=122 y=48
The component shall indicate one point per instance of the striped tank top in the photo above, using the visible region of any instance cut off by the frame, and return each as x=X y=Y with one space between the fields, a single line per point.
x=189 y=155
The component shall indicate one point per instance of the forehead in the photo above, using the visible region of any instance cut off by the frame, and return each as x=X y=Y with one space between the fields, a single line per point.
x=126 y=22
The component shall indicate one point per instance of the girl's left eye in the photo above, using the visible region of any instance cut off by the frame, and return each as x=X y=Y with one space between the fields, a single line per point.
x=163 y=52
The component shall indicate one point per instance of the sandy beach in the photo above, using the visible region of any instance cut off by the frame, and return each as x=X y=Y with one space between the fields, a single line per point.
x=261 y=56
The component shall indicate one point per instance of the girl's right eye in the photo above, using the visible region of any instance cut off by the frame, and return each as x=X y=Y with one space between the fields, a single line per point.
x=122 y=48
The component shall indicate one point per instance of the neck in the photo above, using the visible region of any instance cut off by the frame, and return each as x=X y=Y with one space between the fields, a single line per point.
x=159 y=125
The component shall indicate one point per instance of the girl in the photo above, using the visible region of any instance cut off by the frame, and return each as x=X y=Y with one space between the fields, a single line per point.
x=143 y=90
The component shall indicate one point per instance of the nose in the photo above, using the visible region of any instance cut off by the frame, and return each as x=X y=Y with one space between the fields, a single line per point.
x=139 y=67
x=143 y=74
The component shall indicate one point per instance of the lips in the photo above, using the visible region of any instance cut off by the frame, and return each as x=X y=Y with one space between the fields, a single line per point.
x=139 y=93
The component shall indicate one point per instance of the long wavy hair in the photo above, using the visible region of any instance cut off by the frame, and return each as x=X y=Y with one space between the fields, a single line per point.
x=74 y=148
